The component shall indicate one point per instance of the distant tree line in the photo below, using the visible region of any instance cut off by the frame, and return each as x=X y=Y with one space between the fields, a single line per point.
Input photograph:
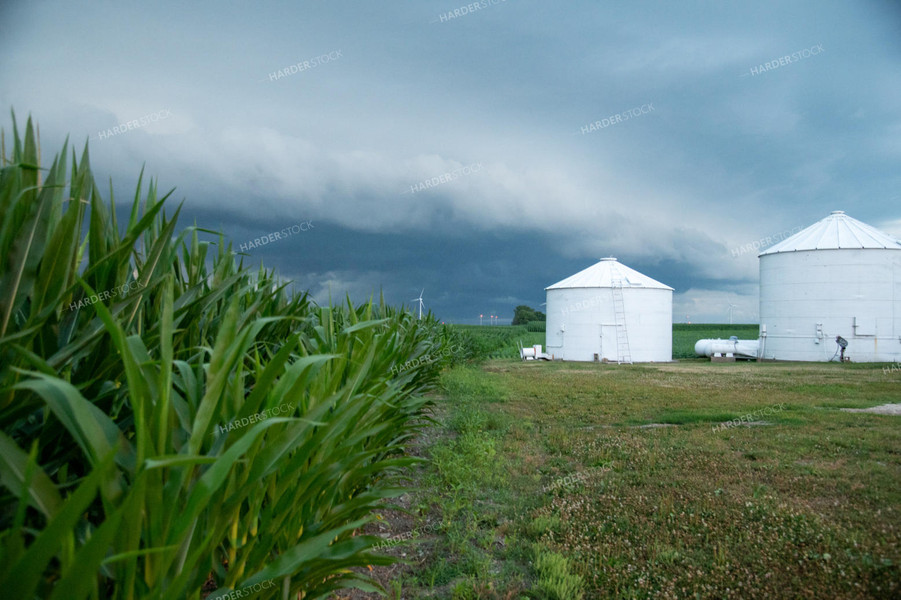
x=523 y=314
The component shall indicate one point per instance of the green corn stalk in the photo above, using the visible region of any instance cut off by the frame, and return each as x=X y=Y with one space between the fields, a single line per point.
x=131 y=488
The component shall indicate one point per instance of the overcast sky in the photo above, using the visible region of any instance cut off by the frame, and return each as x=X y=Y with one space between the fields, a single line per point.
x=667 y=134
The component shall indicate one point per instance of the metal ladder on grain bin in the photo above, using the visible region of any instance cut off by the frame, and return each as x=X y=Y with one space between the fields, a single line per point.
x=623 y=354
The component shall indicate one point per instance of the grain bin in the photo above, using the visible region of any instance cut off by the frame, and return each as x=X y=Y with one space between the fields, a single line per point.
x=609 y=312
x=837 y=278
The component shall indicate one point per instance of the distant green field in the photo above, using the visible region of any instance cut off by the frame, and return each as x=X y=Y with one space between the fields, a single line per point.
x=685 y=336
x=500 y=341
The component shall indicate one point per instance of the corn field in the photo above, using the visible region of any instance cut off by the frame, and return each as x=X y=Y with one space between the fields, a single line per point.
x=174 y=424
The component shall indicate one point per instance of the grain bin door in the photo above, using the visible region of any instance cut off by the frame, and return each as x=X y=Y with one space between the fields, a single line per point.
x=608 y=342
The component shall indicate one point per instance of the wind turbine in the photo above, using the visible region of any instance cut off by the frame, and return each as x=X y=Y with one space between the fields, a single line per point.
x=420 y=302
x=731 y=307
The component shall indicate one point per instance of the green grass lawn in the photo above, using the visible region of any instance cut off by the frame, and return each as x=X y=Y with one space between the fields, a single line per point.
x=579 y=480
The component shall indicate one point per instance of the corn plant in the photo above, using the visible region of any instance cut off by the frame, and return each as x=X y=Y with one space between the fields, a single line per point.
x=129 y=351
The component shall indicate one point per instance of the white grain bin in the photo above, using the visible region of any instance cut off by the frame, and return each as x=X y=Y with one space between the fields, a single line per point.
x=838 y=277
x=609 y=311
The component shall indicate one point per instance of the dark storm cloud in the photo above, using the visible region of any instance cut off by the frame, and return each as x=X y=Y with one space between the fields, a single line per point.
x=704 y=133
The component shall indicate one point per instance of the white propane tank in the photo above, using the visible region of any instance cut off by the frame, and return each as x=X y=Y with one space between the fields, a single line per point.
x=734 y=347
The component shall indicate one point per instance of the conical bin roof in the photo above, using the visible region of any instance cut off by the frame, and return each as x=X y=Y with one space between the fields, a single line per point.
x=604 y=274
x=837 y=231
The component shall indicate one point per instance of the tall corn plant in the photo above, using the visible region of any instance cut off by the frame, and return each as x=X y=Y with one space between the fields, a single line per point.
x=124 y=473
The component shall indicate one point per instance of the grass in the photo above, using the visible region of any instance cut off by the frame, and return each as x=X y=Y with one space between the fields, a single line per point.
x=488 y=341
x=805 y=506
